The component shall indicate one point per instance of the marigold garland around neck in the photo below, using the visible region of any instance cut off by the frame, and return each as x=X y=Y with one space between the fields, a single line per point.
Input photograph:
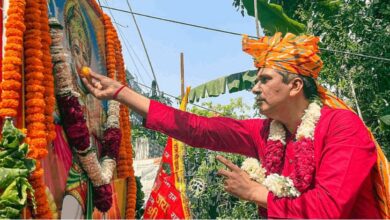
x=304 y=164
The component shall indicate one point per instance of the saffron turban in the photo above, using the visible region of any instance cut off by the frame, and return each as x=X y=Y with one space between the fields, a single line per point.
x=298 y=55
x=294 y=54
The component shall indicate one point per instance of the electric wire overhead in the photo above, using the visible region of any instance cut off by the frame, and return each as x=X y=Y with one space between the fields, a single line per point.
x=125 y=42
x=143 y=44
x=239 y=34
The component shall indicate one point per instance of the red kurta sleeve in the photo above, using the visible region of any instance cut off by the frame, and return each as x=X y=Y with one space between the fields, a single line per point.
x=344 y=164
x=216 y=133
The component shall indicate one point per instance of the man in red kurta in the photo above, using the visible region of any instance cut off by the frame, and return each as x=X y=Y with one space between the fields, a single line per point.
x=344 y=158
x=330 y=166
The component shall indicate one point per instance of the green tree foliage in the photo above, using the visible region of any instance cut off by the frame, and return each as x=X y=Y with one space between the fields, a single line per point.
x=139 y=205
x=208 y=200
x=357 y=26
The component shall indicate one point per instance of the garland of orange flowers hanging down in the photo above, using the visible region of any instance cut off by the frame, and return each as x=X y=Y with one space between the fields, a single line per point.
x=35 y=101
x=115 y=64
x=47 y=73
x=126 y=130
x=12 y=61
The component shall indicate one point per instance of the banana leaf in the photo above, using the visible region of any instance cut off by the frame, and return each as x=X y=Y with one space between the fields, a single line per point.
x=234 y=82
x=272 y=17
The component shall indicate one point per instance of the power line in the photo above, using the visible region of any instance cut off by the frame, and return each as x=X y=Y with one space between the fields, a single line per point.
x=124 y=41
x=143 y=44
x=136 y=56
x=131 y=57
x=177 y=22
x=238 y=34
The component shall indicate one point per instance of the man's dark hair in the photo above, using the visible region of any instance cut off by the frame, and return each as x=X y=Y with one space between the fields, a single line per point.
x=309 y=84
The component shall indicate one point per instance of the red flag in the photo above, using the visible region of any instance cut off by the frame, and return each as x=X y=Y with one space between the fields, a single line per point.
x=166 y=201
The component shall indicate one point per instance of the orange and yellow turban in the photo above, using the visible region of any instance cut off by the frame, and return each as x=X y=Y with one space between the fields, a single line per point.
x=298 y=55
x=295 y=54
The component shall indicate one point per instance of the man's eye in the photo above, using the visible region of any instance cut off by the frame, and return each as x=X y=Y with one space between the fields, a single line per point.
x=263 y=80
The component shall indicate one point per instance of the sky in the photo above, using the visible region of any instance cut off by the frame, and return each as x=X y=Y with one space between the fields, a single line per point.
x=207 y=54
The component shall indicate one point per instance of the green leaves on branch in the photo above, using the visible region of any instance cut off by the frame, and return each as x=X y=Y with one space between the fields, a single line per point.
x=272 y=17
x=385 y=120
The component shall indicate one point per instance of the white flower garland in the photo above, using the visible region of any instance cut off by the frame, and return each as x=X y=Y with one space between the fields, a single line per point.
x=280 y=185
x=101 y=172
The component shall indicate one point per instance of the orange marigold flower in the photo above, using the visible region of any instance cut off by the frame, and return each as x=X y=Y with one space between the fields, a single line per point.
x=34 y=95
x=12 y=60
x=35 y=88
x=13 y=10
x=8 y=112
x=13 y=46
x=33 y=24
x=39 y=142
x=37 y=134
x=35 y=103
x=17 y=24
x=9 y=94
x=36 y=126
x=37 y=117
x=32 y=34
x=15 y=39
x=9 y=103
x=9 y=67
x=34 y=76
x=33 y=110
x=13 y=32
x=14 y=75
x=31 y=43
x=33 y=53
x=34 y=68
x=11 y=85
x=33 y=61
x=12 y=53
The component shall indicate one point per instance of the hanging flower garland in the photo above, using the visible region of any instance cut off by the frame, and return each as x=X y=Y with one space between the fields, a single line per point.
x=126 y=141
x=47 y=72
x=115 y=64
x=302 y=175
x=12 y=61
x=35 y=102
x=77 y=131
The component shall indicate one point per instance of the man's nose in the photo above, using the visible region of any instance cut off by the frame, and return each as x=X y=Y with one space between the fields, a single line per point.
x=256 y=89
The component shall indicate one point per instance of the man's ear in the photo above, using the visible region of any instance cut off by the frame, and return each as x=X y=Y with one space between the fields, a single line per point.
x=296 y=86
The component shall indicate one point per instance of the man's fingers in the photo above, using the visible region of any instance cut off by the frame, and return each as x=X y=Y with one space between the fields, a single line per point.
x=228 y=163
x=97 y=85
x=224 y=173
x=88 y=85
x=95 y=75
